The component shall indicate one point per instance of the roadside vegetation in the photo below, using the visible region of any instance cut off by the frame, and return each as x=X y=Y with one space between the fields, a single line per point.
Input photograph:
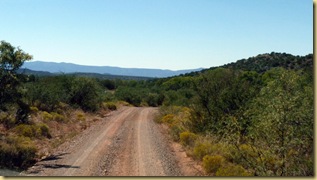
x=250 y=118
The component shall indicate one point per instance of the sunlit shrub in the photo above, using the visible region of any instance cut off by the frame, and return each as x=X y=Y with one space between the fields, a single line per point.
x=58 y=117
x=201 y=149
x=212 y=163
x=33 y=131
x=17 y=152
x=187 y=138
x=232 y=170
x=26 y=130
x=80 y=116
x=43 y=130
x=169 y=119
x=47 y=116
x=34 y=109
x=110 y=106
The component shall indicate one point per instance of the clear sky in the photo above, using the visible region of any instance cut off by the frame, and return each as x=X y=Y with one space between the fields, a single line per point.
x=166 y=34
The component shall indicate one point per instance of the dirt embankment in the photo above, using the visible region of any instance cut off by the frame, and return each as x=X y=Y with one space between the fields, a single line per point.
x=125 y=143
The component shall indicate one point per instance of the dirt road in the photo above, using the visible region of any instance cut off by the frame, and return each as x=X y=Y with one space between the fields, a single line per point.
x=126 y=143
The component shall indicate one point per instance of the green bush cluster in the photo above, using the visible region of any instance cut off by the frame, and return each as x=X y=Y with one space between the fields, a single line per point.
x=58 y=117
x=232 y=170
x=33 y=131
x=187 y=138
x=7 y=120
x=80 y=116
x=110 y=106
x=17 y=152
x=212 y=163
x=201 y=150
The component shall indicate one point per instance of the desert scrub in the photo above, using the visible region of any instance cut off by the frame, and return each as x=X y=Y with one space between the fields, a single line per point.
x=17 y=152
x=47 y=116
x=58 y=117
x=34 y=109
x=169 y=119
x=175 y=132
x=202 y=149
x=80 y=116
x=109 y=105
x=212 y=163
x=7 y=120
x=187 y=138
x=232 y=170
x=33 y=131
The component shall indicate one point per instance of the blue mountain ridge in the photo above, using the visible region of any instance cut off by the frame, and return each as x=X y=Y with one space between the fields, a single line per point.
x=54 y=67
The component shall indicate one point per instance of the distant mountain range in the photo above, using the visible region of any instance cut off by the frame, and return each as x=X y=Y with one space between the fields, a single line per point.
x=53 y=67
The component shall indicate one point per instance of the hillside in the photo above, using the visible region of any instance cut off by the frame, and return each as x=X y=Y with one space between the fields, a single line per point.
x=264 y=62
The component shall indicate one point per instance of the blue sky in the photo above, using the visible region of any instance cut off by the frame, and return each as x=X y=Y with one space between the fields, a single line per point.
x=166 y=34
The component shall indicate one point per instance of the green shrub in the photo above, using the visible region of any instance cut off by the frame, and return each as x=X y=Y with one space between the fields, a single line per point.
x=212 y=163
x=169 y=119
x=201 y=149
x=26 y=130
x=47 y=116
x=32 y=131
x=34 y=109
x=17 y=152
x=7 y=120
x=232 y=170
x=58 y=117
x=187 y=138
x=43 y=130
x=80 y=116
x=110 y=106
x=175 y=131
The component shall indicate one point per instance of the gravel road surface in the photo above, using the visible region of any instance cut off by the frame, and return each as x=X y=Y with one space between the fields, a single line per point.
x=125 y=143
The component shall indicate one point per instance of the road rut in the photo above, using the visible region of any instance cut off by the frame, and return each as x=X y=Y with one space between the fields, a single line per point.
x=126 y=143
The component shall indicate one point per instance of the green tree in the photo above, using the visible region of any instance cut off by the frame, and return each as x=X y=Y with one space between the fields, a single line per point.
x=11 y=59
x=86 y=93
x=282 y=126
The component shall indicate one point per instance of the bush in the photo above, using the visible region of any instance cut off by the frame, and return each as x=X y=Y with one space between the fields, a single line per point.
x=17 y=152
x=212 y=163
x=47 y=116
x=110 y=106
x=187 y=138
x=232 y=170
x=34 y=109
x=169 y=119
x=80 y=116
x=44 y=130
x=58 y=117
x=201 y=150
x=175 y=131
x=86 y=93
x=32 y=131
x=7 y=120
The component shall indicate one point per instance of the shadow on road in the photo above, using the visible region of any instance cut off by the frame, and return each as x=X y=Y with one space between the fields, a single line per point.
x=54 y=157
x=56 y=166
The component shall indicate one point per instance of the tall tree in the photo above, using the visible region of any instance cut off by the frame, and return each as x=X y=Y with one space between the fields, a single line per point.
x=11 y=59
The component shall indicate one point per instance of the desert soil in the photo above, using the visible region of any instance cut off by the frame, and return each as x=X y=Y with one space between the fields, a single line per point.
x=127 y=142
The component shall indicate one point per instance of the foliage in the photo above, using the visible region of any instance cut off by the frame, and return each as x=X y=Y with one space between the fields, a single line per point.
x=110 y=106
x=187 y=138
x=232 y=170
x=33 y=131
x=11 y=59
x=86 y=93
x=17 y=152
x=212 y=163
